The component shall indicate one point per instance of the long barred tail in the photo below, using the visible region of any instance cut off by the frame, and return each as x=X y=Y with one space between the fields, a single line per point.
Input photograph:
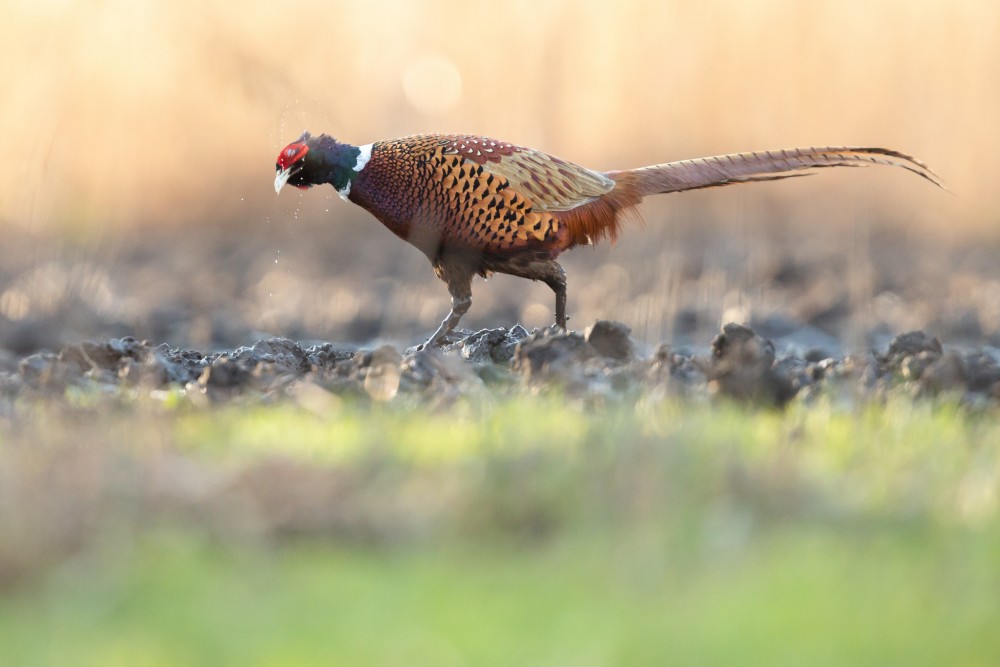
x=760 y=166
x=603 y=216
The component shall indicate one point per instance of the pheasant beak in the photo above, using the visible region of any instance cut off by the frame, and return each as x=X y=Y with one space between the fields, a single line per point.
x=282 y=178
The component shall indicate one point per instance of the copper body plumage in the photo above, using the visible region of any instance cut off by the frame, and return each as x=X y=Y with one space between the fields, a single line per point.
x=476 y=205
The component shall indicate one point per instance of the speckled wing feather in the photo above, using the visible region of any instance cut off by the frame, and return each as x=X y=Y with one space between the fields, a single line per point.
x=761 y=166
x=551 y=183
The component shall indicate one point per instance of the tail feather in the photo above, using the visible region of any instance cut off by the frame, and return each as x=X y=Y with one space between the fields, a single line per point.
x=603 y=216
x=761 y=166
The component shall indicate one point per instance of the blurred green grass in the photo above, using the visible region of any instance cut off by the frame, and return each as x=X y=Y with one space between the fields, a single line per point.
x=505 y=530
x=802 y=596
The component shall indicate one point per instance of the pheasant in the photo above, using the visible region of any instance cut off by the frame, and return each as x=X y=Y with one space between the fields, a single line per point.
x=476 y=205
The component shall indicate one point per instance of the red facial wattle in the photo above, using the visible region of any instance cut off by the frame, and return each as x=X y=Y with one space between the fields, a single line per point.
x=290 y=161
x=291 y=154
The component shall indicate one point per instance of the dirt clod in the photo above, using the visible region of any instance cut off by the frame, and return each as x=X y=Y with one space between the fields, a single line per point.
x=555 y=356
x=742 y=367
x=611 y=339
x=493 y=345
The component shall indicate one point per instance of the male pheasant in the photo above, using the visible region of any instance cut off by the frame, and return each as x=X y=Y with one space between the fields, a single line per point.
x=476 y=205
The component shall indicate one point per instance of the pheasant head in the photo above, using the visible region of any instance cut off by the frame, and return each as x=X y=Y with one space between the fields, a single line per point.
x=310 y=161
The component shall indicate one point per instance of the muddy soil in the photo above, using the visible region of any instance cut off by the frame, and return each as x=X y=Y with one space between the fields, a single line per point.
x=226 y=312
x=600 y=362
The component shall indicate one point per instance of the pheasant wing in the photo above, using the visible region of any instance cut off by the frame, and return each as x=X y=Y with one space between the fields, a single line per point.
x=551 y=183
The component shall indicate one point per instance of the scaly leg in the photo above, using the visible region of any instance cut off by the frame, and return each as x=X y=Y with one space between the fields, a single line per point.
x=542 y=268
x=556 y=279
x=459 y=306
x=459 y=280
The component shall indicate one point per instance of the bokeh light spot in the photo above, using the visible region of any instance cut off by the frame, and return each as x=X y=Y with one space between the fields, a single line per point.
x=432 y=84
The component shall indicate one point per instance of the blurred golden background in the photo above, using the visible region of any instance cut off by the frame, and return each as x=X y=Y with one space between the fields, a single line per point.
x=164 y=119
